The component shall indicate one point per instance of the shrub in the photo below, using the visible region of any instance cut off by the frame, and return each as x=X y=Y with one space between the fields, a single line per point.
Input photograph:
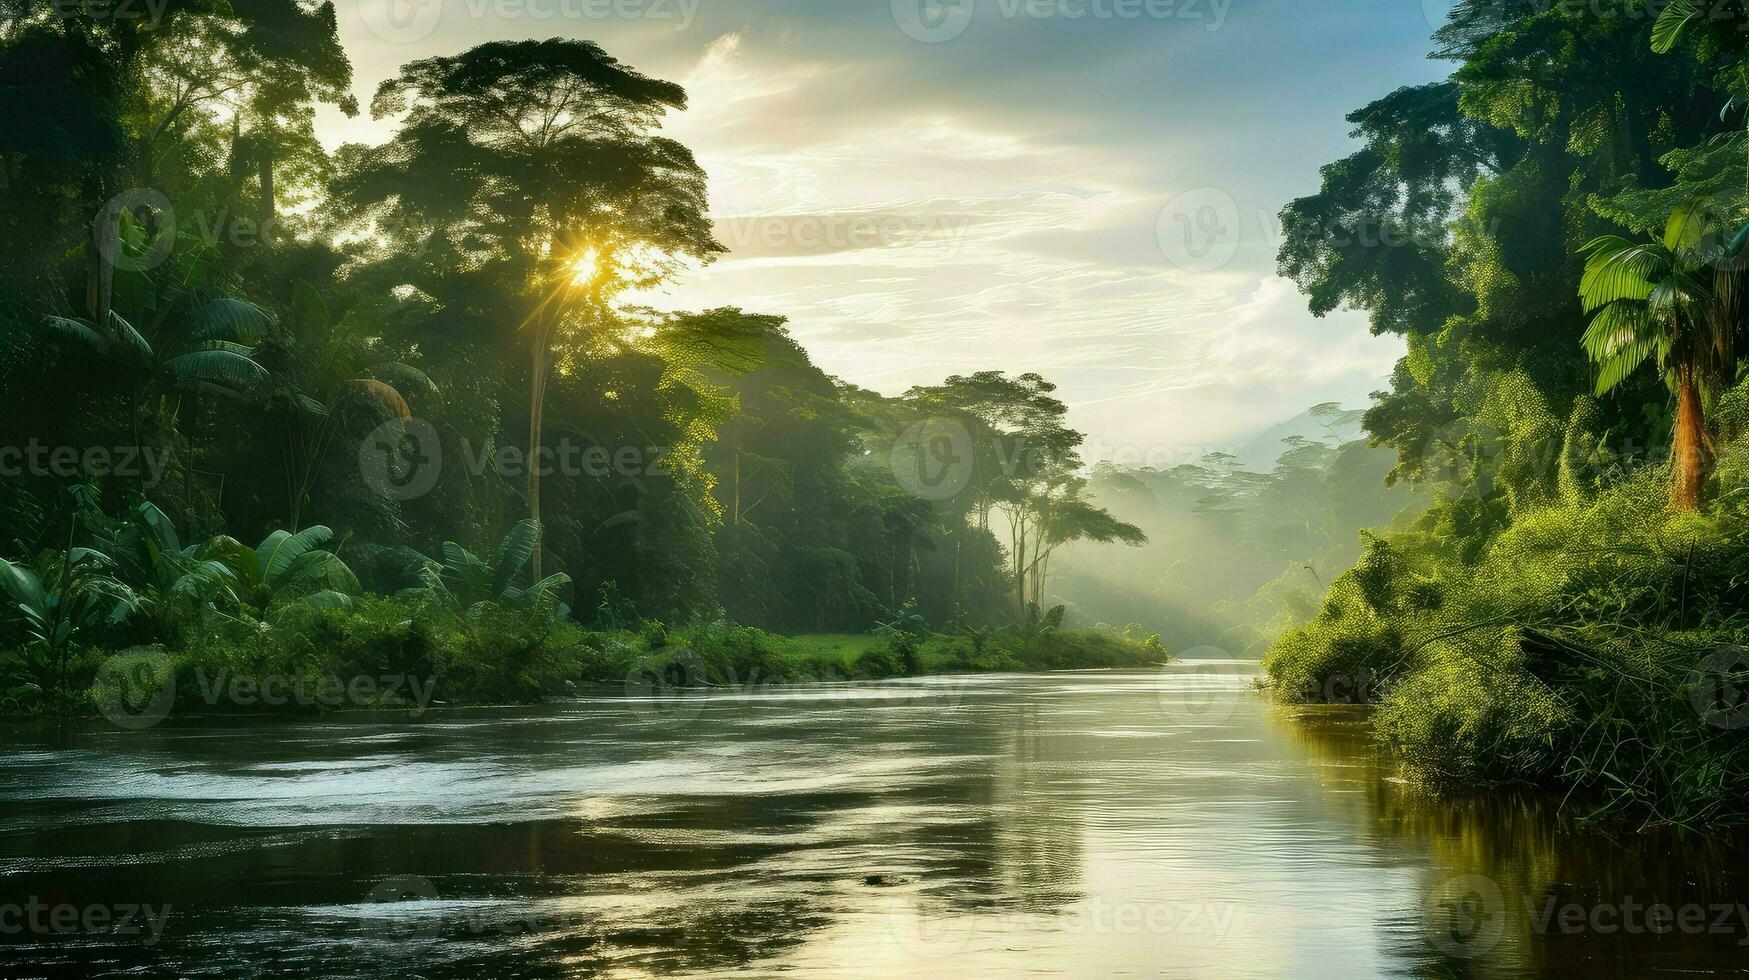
x=1566 y=654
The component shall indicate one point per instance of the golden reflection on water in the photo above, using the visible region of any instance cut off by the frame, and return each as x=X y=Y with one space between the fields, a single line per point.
x=1085 y=824
x=1496 y=873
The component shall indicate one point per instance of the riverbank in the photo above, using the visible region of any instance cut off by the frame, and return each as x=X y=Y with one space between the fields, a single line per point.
x=386 y=652
x=1595 y=648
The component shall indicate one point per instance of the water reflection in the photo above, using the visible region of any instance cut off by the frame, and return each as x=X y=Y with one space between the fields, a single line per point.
x=1070 y=824
x=1508 y=887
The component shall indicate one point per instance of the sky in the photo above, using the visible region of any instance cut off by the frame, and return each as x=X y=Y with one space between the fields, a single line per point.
x=1087 y=189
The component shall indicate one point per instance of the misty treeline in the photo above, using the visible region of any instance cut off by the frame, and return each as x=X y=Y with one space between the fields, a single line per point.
x=1567 y=610
x=246 y=375
x=1235 y=556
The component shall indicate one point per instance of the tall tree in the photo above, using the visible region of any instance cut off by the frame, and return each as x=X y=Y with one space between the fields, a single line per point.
x=535 y=165
x=1679 y=303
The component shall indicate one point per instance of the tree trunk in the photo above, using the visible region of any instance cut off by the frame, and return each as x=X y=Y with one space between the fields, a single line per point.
x=536 y=407
x=959 y=534
x=102 y=244
x=264 y=163
x=1691 y=451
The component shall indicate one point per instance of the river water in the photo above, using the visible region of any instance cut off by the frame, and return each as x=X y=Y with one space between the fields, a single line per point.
x=1100 y=824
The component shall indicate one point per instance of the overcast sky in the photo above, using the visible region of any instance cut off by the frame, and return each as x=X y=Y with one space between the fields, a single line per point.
x=1082 y=188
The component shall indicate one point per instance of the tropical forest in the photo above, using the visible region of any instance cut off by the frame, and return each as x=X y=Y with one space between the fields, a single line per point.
x=629 y=488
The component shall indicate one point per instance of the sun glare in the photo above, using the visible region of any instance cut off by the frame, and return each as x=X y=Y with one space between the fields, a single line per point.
x=584 y=268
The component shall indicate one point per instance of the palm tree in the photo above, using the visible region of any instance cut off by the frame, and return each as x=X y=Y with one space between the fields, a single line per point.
x=171 y=584
x=1677 y=302
x=69 y=598
x=285 y=567
x=170 y=330
x=465 y=580
x=207 y=349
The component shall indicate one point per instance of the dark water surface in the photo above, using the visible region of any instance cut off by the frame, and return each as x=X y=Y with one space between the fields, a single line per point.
x=1135 y=824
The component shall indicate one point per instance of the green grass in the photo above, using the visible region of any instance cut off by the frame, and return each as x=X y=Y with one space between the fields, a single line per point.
x=826 y=649
x=1579 y=652
x=501 y=655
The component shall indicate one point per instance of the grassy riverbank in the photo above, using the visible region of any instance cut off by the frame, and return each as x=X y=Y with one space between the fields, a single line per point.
x=390 y=651
x=1593 y=647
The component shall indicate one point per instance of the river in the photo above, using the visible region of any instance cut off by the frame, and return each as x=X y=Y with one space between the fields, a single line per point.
x=1098 y=824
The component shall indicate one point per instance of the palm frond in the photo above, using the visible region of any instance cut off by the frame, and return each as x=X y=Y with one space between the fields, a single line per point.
x=381 y=399
x=127 y=337
x=319 y=570
x=1616 y=269
x=514 y=553
x=281 y=549
x=1667 y=29
x=161 y=528
x=1620 y=339
x=229 y=319
x=403 y=378
x=78 y=331
x=226 y=367
x=22 y=585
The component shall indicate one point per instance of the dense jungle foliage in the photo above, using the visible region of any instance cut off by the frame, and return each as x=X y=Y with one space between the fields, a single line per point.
x=403 y=407
x=1557 y=231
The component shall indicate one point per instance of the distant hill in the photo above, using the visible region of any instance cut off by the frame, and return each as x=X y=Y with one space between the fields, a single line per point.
x=1326 y=423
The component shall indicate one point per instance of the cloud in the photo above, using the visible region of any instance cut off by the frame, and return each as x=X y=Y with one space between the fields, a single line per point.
x=919 y=210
